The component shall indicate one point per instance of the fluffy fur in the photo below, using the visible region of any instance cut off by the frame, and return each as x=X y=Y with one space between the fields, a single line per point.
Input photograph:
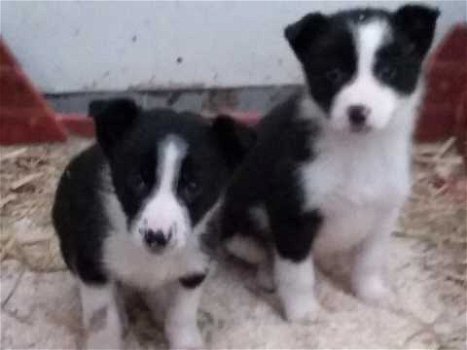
x=139 y=208
x=330 y=168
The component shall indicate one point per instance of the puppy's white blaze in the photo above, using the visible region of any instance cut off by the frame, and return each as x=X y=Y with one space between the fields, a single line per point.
x=369 y=38
x=172 y=152
x=163 y=211
x=365 y=89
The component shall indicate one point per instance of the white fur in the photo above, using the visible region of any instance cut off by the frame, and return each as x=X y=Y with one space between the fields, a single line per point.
x=181 y=320
x=135 y=266
x=365 y=89
x=295 y=287
x=127 y=261
x=246 y=248
x=359 y=181
x=369 y=269
x=355 y=180
x=100 y=316
x=138 y=267
x=162 y=211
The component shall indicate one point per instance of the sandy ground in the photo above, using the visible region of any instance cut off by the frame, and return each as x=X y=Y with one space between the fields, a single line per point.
x=40 y=307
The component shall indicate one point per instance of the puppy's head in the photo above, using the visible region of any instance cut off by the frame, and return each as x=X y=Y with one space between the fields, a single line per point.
x=168 y=169
x=362 y=65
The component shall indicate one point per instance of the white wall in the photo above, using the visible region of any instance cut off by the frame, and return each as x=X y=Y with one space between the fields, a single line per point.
x=96 y=46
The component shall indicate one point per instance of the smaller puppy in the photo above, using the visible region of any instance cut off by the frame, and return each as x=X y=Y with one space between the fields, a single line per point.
x=138 y=208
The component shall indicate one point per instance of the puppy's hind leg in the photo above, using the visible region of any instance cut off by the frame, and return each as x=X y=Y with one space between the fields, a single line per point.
x=246 y=248
x=100 y=314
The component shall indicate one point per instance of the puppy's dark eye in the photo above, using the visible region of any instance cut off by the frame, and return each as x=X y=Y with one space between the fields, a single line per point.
x=388 y=72
x=410 y=49
x=137 y=184
x=189 y=189
x=335 y=76
x=192 y=186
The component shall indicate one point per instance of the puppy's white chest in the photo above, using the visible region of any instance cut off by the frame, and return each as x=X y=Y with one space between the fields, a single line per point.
x=353 y=186
x=135 y=266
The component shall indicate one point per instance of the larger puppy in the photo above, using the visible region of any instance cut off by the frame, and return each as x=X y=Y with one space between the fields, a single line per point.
x=139 y=208
x=330 y=169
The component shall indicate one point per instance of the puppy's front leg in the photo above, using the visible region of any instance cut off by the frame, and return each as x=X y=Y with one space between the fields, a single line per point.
x=181 y=320
x=368 y=271
x=295 y=288
x=101 y=319
x=293 y=265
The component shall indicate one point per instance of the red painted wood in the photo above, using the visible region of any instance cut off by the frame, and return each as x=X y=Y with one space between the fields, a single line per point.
x=82 y=125
x=25 y=117
x=446 y=84
x=77 y=124
x=461 y=127
x=438 y=122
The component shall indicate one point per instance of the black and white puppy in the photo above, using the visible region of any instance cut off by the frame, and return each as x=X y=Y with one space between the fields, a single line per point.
x=138 y=208
x=330 y=168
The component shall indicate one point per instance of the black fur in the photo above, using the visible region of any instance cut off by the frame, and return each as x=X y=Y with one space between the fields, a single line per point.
x=78 y=218
x=192 y=281
x=399 y=63
x=124 y=162
x=268 y=178
x=120 y=114
x=326 y=49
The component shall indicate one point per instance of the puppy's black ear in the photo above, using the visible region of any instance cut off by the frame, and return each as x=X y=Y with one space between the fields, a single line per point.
x=301 y=34
x=112 y=118
x=418 y=22
x=235 y=139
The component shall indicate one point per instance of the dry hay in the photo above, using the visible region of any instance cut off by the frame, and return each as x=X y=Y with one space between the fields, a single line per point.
x=437 y=209
x=28 y=178
x=435 y=213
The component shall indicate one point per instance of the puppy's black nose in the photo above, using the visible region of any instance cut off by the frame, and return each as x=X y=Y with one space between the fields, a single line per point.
x=155 y=239
x=358 y=115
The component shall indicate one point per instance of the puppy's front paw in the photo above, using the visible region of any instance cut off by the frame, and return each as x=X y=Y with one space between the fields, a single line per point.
x=302 y=309
x=373 y=290
x=186 y=338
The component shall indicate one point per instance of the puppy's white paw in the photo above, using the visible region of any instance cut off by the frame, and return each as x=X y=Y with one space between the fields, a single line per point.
x=373 y=290
x=302 y=309
x=186 y=338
